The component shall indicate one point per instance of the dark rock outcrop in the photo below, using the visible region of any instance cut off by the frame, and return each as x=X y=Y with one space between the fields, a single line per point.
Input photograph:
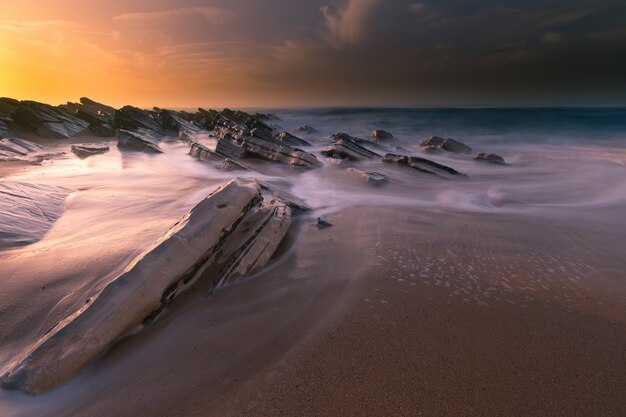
x=139 y=141
x=131 y=118
x=231 y=233
x=381 y=135
x=423 y=165
x=47 y=121
x=490 y=157
x=84 y=150
x=99 y=116
x=445 y=144
x=173 y=120
x=280 y=153
x=346 y=147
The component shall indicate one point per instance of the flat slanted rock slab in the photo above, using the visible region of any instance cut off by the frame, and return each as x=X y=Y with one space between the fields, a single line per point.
x=84 y=150
x=28 y=211
x=137 y=141
x=14 y=149
x=283 y=154
x=445 y=144
x=232 y=232
x=424 y=165
x=369 y=177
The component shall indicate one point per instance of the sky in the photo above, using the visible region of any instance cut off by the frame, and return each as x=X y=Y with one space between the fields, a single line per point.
x=284 y=53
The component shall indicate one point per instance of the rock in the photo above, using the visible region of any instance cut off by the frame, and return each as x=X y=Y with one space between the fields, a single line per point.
x=206 y=118
x=232 y=232
x=381 y=135
x=291 y=140
x=306 y=129
x=48 y=121
x=279 y=153
x=173 y=120
x=84 y=150
x=14 y=149
x=321 y=224
x=423 y=165
x=490 y=157
x=131 y=118
x=99 y=116
x=137 y=141
x=265 y=116
x=446 y=144
x=345 y=147
x=291 y=200
x=203 y=153
x=232 y=165
x=368 y=177
x=28 y=211
x=230 y=149
x=236 y=116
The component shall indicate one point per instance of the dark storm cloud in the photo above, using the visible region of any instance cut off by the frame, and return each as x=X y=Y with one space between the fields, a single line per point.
x=459 y=51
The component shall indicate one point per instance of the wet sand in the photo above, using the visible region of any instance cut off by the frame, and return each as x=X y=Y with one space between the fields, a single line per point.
x=410 y=313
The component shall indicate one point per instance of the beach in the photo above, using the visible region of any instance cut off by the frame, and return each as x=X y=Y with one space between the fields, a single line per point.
x=497 y=294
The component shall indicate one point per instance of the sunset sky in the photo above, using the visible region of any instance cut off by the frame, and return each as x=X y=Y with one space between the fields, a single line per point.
x=268 y=53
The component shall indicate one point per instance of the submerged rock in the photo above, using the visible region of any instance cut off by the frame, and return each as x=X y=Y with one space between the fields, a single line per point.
x=84 y=150
x=490 y=157
x=423 y=165
x=283 y=154
x=346 y=147
x=14 y=149
x=322 y=224
x=137 y=141
x=306 y=129
x=381 y=135
x=369 y=177
x=28 y=211
x=232 y=232
x=203 y=153
x=446 y=144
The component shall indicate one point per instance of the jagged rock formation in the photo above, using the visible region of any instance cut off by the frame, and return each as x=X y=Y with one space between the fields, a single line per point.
x=175 y=121
x=369 y=177
x=14 y=149
x=84 y=150
x=131 y=118
x=203 y=153
x=137 y=141
x=99 y=116
x=423 y=165
x=232 y=232
x=47 y=121
x=28 y=211
x=490 y=157
x=381 y=135
x=347 y=147
x=446 y=144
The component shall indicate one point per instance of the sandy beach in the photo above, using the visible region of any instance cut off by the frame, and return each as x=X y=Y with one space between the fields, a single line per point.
x=411 y=313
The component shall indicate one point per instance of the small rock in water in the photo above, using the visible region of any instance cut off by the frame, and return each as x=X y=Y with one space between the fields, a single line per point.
x=321 y=224
x=379 y=135
x=83 y=150
x=306 y=129
x=490 y=157
x=447 y=144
